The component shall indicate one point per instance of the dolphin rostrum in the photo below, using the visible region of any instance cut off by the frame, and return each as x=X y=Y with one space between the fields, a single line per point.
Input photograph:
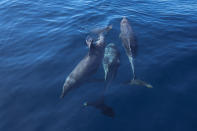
x=130 y=45
x=88 y=65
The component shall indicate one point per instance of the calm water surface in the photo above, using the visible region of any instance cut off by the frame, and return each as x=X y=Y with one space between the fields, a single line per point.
x=41 y=41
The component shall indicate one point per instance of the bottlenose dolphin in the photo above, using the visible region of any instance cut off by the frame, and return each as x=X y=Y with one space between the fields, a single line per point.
x=130 y=45
x=88 y=65
x=111 y=62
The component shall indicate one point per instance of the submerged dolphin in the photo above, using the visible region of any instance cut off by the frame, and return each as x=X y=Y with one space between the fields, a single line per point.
x=88 y=65
x=111 y=62
x=130 y=46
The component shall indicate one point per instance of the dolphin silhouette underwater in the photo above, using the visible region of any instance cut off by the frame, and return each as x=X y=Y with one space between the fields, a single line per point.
x=89 y=64
x=130 y=45
x=100 y=105
x=111 y=63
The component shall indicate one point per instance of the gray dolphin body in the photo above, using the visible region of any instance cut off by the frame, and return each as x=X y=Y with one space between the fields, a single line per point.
x=130 y=46
x=88 y=65
x=111 y=62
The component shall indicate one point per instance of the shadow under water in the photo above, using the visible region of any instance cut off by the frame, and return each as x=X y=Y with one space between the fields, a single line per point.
x=100 y=105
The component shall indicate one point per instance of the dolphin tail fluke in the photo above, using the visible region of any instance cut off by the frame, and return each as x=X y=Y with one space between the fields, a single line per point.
x=102 y=30
x=105 y=29
x=108 y=28
x=141 y=83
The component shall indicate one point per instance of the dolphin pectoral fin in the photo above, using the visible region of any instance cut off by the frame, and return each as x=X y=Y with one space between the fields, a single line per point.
x=141 y=83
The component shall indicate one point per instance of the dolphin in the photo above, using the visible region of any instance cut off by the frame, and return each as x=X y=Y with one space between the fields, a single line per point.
x=130 y=45
x=111 y=62
x=88 y=65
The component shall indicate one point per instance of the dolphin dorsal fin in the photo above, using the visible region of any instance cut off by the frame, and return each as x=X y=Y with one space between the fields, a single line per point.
x=90 y=44
x=89 y=41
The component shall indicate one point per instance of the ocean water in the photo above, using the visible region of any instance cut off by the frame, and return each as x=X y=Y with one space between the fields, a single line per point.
x=41 y=41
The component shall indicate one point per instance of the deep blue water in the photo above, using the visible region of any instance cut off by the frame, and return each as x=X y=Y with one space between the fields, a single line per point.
x=41 y=41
